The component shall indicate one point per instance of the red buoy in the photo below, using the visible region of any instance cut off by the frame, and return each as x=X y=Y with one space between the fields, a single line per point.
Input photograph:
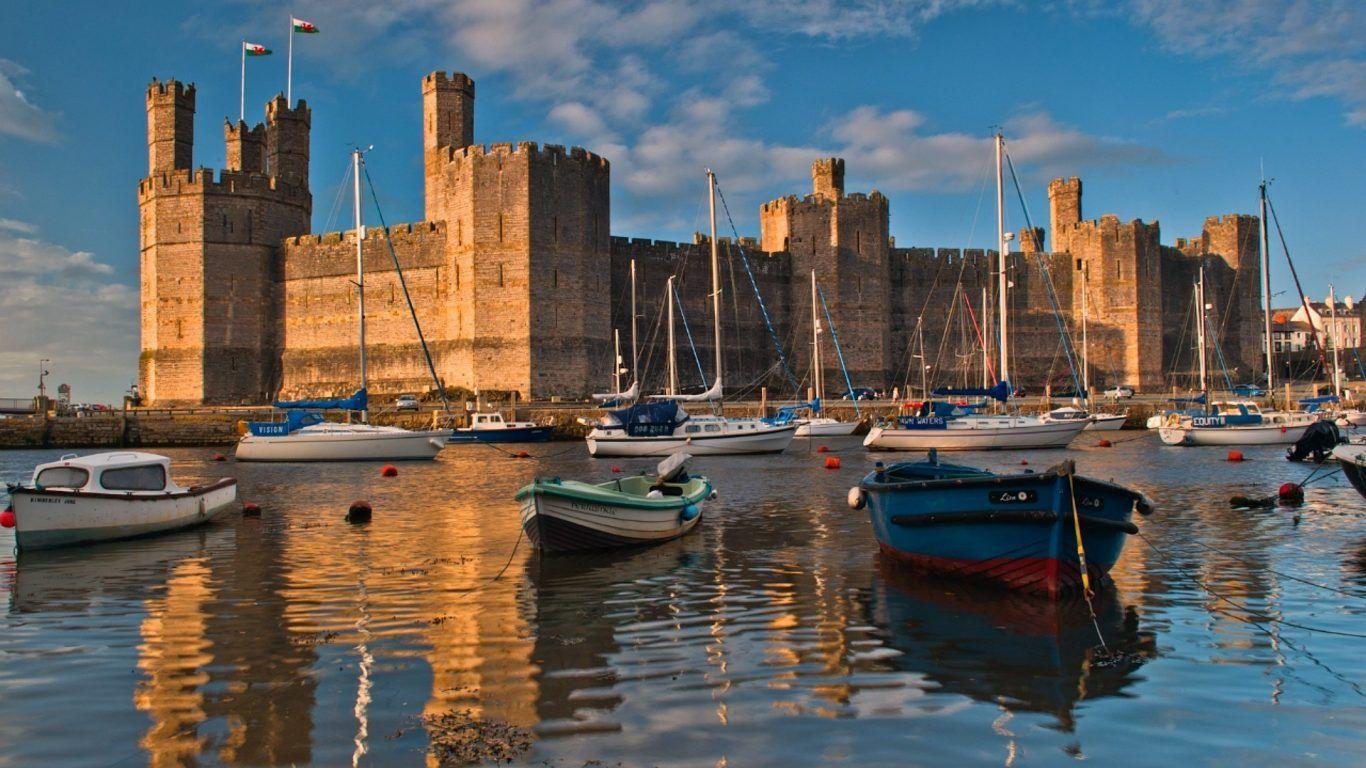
x=832 y=462
x=823 y=449
x=1235 y=455
x=1291 y=492
x=251 y=509
x=1103 y=444
x=388 y=470
x=219 y=457
x=1023 y=462
x=616 y=470
x=523 y=455
x=359 y=512
x=7 y=519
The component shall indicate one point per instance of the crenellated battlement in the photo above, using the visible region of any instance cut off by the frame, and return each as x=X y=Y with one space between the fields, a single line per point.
x=398 y=233
x=171 y=87
x=554 y=153
x=456 y=81
x=210 y=181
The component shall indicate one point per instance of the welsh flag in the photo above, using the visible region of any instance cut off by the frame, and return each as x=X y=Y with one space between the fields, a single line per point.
x=252 y=49
x=303 y=27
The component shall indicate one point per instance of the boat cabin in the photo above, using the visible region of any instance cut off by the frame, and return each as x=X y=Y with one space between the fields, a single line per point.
x=127 y=472
x=1069 y=414
x=494 y=421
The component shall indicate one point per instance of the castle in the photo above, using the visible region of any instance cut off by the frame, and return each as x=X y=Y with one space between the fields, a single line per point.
x=518 y=283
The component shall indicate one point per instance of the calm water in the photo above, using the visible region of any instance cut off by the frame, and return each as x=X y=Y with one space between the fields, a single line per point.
x=771 y=636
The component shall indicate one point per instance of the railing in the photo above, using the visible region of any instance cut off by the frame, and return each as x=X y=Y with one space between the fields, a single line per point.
x=16 y=405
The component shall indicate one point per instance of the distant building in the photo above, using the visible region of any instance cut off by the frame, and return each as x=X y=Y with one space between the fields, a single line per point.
x=1293 y=328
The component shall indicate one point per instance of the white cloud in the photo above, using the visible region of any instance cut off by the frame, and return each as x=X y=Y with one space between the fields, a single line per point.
x=64 y=305
x=1311 y=48
x=18 y=116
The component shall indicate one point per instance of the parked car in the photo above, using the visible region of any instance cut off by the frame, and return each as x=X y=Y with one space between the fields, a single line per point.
x=859 y=393
x=1121 y=392
x=406 y=403
x=1249 y=390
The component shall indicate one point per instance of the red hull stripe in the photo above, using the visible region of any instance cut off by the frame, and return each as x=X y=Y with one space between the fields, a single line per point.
x=1044 y=575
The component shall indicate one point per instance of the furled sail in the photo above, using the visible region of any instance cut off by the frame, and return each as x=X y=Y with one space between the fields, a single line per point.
x=713 y=393
x=356 y=402
x=1000 y=392
x=620 y=397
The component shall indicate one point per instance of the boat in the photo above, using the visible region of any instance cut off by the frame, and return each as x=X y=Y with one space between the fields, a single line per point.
x=1017 y=531
x=1235 y=423
x=816 y=425
x=1099 y=422
x=305 y=436
x=109 y=496
x=942 y=426
x=1352 y=458
x=490 y=428
x=569 y=515
x=661 y=427
x=1094 y=421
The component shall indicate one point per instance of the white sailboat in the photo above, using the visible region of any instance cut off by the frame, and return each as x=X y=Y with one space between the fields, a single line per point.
x=305 y=437
x=1100 y=422
x=975 y=431
x=662 y=427
x=817 y=425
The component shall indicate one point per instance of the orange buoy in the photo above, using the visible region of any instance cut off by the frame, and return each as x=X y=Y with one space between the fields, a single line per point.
x=219 y=457
x=832 y=462
x=388 y=470
x=359 y=512
x=1103 y=444
x=1291 y=492
x=1235 y=455
x=523 y=455
x=7 y=519
x=251 y=509
x=823 y=449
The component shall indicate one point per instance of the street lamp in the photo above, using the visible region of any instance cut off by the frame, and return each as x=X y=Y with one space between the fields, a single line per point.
x=42 y=372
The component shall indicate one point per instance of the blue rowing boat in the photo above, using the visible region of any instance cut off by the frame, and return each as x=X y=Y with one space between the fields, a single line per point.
x=1016 y=531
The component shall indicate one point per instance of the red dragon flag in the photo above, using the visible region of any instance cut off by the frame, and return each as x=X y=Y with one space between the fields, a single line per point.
x=303 y=27
x=248 y=49
x=252 y=49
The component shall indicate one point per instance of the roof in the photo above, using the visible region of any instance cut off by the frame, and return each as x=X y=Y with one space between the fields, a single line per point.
x=108 y=460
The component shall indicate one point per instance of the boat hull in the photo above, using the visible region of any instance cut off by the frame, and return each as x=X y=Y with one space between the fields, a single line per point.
x=824 y=428
x=1352 y=459
x=341 y=446
x=58 y=518
x=557 y=520
x=510 y=435
x=1014 y=531
x=1106 y=423
x=618 y=444
x=1273 y=434
x=1055 y=435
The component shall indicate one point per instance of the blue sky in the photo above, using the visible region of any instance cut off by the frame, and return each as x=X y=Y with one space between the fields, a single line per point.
x=1166 y=110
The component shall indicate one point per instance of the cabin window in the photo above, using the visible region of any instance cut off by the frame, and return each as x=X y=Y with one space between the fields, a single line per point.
x=693 y=428
x=62 y=477
x=150 y=477
x=713 y=427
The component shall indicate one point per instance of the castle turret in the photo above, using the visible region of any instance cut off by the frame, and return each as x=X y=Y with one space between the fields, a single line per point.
x=287 y=132
x=170 y=125
x=827 y=177
x=447 y=123
x=246 y=147
x=1064 y=208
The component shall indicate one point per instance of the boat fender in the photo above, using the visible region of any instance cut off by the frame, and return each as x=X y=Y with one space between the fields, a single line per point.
x=388 y=470
x=713 y=495
x=251 y=509
x=655 y=494
x=690 y=512
x=856 y=498
x=359 y=512
x=7 y=518
x=832 y=462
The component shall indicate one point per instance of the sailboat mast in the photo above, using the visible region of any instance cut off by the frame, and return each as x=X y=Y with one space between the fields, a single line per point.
x=1085 y=361
x=1001 y=244
x=616 y=361
x=1333 y=339
x=816 y=377
x=360 y=268
x=986 y=334
x=1200 y=313
x=1266 y=298
x=673 y=362
x=635 y=350
x=715 y=285
x=924 y=381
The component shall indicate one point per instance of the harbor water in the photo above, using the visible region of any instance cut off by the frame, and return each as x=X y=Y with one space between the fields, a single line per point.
x=773 y=635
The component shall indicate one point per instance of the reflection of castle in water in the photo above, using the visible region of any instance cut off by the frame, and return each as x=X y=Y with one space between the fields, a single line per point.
x=1024 y=655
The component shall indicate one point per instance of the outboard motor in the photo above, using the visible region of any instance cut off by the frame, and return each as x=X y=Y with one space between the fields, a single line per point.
x=1318 y=441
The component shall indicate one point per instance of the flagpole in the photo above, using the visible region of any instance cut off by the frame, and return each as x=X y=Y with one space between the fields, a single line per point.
x=289 y=67
x=242 y=98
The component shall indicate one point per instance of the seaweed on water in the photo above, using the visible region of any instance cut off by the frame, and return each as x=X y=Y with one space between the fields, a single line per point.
x=459 y=738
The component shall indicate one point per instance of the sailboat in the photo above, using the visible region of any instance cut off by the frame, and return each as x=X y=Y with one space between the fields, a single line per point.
x=661 y=426
x=817 y=425
x=305 y=436
x=951 y=428
x=1236 y=423
x=1095 y=421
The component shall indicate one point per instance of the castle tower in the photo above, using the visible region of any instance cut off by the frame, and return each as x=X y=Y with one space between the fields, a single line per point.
x=1064 y=210
x=170 y=125
x=1235 y=241
x=210 y=252
x=447 y=123
x=845 y=239
x=246 y=147
x=287 y=132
